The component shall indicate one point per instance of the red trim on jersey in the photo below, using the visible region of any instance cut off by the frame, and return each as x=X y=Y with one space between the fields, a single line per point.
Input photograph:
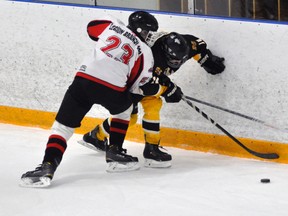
x=120 y=121
x=56 y=145
x=136 y=71
x=94 y=79
x=57 y=137
x=117 y=130
x=96 y=27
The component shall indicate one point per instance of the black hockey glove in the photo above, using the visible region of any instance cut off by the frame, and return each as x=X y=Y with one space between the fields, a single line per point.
x=173 y=93
x=164 y=80
x=211 y=63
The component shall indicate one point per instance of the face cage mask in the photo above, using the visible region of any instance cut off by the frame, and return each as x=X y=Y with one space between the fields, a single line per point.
x=148 y=37
x=172 y=62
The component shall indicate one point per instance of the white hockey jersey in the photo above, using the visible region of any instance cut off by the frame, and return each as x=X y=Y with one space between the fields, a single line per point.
x=120 y=60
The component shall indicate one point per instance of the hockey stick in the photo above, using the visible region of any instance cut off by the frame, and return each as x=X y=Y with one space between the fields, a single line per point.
x=236 y=113
x=257 y=154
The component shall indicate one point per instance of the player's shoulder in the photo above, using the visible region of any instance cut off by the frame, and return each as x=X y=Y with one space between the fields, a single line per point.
x=108 y=19
x=146 y=49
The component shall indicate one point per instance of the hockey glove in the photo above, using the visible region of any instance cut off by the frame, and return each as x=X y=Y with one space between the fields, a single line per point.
x=211 y=63
x=173 y=93
x=164 y=80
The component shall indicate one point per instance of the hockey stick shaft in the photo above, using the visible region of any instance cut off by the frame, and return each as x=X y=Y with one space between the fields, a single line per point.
x=257 y=154
x=236 y=113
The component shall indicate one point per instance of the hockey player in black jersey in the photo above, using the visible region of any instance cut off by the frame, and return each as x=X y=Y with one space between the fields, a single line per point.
x=170 y=52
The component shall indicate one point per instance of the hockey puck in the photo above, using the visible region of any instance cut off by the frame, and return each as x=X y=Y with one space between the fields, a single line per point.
x=265 y=180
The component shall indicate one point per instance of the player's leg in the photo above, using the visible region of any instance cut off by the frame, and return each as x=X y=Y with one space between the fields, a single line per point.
x=154 y=157
x=116 y=156
x=120 y=106
x=97 y=139
x=69 y=116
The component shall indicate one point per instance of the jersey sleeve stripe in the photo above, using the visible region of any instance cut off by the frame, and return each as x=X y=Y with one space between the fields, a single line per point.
x=136 y=71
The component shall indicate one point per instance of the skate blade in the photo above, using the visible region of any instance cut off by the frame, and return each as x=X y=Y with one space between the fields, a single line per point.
x=122 y=167
x=157 y=164
x=27 y=182
x=90 y=146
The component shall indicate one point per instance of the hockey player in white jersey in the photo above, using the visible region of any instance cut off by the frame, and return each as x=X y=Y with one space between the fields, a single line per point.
x=120 y=64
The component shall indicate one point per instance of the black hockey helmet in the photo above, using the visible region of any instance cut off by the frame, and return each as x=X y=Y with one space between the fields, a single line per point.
x=141 y=23
x=175 y=48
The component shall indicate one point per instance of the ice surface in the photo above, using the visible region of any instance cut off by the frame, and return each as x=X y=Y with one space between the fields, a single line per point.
x=197 y=183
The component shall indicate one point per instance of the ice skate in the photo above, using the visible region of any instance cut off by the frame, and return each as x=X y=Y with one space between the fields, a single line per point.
x=91 y=141
x=40 y=177
x=118 y=161
x=155 y=158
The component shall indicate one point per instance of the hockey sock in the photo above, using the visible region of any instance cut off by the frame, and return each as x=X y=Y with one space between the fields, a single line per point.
x=104 y=127
x=151 y=131
x=55 y=149
x=118 y=131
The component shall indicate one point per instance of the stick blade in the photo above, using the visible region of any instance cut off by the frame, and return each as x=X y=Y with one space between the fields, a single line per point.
x=269 y=156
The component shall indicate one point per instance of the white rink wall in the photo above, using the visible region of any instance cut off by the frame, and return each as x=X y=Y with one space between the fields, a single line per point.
x=43 y=44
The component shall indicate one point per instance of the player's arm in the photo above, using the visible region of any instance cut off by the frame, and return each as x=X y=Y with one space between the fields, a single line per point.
x=153 y=88
x=199 y=51
x=163 y=86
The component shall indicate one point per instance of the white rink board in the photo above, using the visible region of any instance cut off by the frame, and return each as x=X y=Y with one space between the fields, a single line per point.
x=43 y=44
